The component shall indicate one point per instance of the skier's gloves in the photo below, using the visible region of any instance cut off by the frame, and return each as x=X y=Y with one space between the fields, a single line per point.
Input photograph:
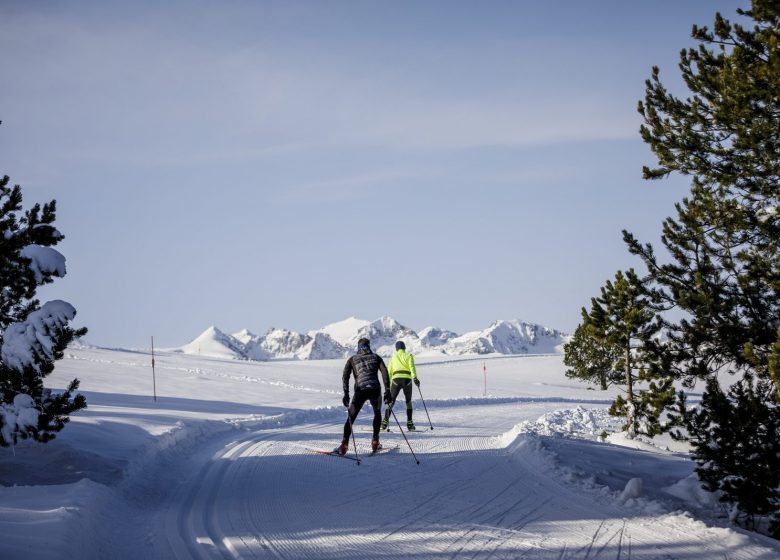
x=388 y=396
x=416 y=381
x=345 y=400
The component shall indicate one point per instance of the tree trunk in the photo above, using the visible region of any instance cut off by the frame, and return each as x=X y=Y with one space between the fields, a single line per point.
x=630 y=420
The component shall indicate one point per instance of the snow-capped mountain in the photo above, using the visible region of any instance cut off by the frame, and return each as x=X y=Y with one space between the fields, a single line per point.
x=339 y=340
x=385 y=331
x=508 y=337
x=343 y=332
x=276 y=343
x=213 y=342
x=322 y=347
x=244 y=336
x=433 y=336
x=286 y=344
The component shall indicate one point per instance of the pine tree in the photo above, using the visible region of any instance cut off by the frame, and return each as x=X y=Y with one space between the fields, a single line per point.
x=723 y=278
x=32 y=337
x=622 y=320
x=725 y=241
x=592 y=360
x=735 y=443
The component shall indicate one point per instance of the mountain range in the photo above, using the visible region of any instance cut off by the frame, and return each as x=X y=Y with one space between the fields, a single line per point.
x=339 y=340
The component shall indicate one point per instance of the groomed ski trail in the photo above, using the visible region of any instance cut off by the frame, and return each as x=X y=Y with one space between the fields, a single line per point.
x=262 y=494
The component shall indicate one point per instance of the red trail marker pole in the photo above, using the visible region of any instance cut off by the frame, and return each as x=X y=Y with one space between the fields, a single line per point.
x=154 y=377
x=484 y=373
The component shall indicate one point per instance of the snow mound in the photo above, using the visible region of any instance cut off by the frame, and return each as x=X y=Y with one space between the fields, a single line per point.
x=690 y=490
x=633 y=490
x=579 y=422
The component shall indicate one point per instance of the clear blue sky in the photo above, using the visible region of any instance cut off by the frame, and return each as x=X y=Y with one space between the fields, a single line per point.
x=255 y=164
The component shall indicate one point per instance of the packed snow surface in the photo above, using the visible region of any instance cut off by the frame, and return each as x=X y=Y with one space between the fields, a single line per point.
x=223 y=465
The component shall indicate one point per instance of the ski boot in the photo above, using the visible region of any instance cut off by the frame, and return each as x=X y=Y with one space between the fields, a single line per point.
x=410 y=426
x=383 y=427
x=342 y=449
x=375 y=445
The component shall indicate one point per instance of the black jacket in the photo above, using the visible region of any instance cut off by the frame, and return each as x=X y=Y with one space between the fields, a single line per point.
x=365 y=365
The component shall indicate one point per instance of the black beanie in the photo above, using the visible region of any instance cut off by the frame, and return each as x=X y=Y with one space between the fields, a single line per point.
x=400 y=345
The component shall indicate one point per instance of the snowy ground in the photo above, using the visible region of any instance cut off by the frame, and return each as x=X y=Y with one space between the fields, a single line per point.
x=221 y=467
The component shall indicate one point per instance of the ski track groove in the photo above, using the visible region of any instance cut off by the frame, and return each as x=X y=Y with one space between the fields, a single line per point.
x=620 y=542
x=488 y=505
x=593 y=538
x=609 y=540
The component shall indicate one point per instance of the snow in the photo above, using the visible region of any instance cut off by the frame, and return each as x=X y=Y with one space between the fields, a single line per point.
x=28 y=343
x=689 y=490
x=19 y=415
x=213 y=342
x=286 y=344
x=45 y=261
x=344 y=332
x=244 y=336
x=385 y=332
x=221 y=466
x=337 y=340
x=632 y=490
x=434 y=336
x=509 y=337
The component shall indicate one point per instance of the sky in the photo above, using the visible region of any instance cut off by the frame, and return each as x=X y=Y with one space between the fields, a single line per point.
x=257 y=164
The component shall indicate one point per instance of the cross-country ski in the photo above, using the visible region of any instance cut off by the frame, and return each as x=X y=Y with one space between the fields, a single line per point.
x=336 y=454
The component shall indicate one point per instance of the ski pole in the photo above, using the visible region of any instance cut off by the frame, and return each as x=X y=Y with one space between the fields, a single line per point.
x=425 y=407
x=352 y=429
x=403 y=434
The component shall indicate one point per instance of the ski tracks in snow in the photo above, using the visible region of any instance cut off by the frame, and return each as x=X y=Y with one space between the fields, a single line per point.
x=264 y=495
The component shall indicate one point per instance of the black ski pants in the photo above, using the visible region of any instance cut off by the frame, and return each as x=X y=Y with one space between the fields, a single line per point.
x=374 y=396
x=395 y=388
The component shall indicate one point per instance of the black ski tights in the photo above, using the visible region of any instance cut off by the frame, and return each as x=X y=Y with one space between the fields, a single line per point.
x=374 y=396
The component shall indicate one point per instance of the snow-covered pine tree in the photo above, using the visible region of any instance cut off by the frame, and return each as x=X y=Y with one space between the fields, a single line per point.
x=622 y=320
x=32 y=337
x=723 y=278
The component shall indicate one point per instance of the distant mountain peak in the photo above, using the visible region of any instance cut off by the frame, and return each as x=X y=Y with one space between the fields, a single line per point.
x=339 y=339
x=213 y=342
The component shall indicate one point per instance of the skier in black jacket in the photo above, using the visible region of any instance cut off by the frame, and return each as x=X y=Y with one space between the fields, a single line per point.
x=364 y=365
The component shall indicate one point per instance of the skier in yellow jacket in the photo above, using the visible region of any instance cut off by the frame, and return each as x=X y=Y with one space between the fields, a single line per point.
x=402 y=374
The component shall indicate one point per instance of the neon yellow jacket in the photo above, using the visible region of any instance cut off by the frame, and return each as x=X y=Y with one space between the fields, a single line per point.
x=401 y=365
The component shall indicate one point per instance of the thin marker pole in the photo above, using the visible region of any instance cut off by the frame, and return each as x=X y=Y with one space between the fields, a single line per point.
x=154 y=377
x=484 y=373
